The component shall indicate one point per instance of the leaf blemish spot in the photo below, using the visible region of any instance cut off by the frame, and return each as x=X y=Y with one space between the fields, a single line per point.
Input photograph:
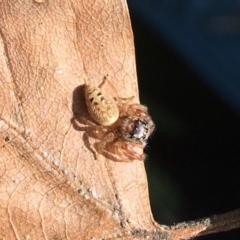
x=79 y=191
x=7 y=139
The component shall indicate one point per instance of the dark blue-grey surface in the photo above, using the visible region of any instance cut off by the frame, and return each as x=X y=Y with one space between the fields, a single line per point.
x=206 y=33
x=187 y=61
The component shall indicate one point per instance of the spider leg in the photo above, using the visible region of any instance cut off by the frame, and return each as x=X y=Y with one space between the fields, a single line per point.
x=135 y=108
x=90 y=125
x=125 y=105
x=126 y=153
x=85 y=121
x=109 y=137
x=116 y=96
x=93 y=131
x=105 y=79
x=119 y=100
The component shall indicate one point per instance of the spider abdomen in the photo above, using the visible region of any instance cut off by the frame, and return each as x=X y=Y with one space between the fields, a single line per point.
x=101 y=106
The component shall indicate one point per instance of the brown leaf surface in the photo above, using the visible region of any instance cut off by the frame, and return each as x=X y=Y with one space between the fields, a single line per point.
x=51 y=187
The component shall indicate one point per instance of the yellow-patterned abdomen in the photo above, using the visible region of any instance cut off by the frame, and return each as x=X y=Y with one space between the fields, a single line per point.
x=101 y=106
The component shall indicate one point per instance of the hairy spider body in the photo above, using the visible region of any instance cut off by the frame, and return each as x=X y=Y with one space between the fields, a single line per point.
x=101 y=106
x=124 y=125
x=135 y=130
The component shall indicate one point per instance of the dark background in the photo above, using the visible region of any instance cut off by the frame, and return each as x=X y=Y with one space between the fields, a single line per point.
x=188 y=63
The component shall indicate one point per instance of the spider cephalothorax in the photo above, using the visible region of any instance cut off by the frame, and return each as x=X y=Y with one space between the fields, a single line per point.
x=125 y=125
x=137 y=125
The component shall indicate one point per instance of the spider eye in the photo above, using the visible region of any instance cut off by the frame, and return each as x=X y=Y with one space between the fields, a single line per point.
x=138 y=130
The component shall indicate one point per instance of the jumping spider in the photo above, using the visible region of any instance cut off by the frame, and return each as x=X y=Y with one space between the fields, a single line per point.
x=124 y=125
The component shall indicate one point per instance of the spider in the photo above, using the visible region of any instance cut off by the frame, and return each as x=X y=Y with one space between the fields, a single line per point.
x=124 y=125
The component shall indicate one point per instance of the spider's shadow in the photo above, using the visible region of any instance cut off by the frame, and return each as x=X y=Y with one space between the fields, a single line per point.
x=80 y=113
x=80 y=116
x=78 y=104
x=79 y=109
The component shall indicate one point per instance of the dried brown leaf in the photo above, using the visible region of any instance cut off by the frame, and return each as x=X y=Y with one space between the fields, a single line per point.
x=51 y=186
